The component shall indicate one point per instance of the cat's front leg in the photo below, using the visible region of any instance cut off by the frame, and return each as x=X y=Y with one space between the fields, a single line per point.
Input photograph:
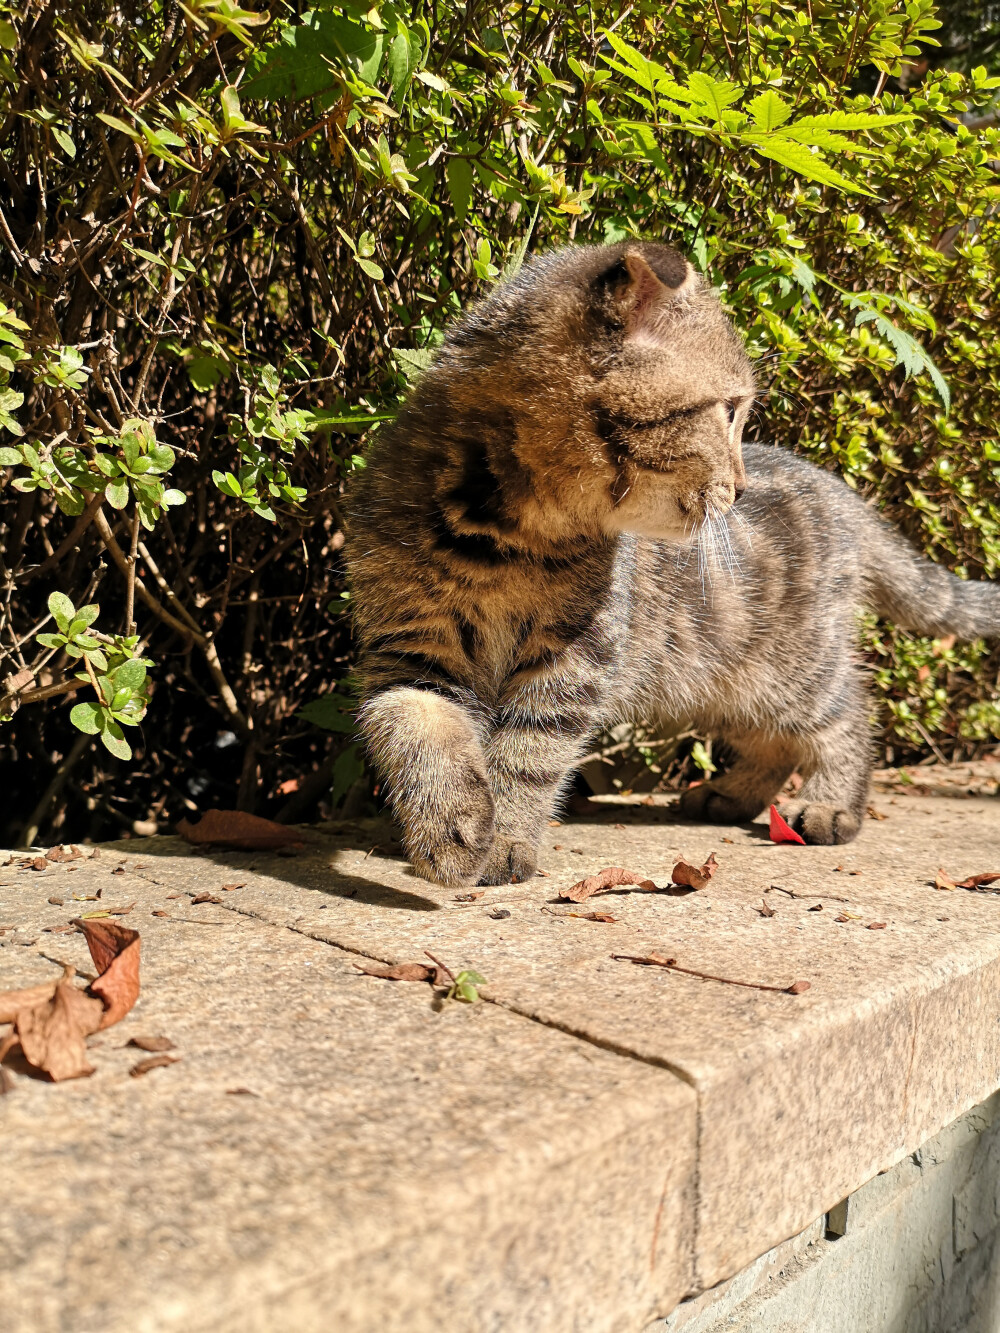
x=427 y=750
x=529 y=761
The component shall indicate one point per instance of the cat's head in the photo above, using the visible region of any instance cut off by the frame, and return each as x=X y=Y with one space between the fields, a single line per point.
x=627 y=386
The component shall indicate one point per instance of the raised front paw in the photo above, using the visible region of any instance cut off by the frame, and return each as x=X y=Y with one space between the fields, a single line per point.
x=509 y=861
x=820 y=823
x=449 y=835
x=705 y=802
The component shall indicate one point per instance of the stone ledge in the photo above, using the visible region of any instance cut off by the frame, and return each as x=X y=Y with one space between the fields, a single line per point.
x=596 y=1143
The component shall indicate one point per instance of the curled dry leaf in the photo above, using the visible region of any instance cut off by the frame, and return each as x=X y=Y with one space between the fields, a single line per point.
x=53 y=1035
x=779 y=830
x=979 y=881
x=154 y=1062
x=765 y=908
x=848 y=916
x=944 y=881
x=877 y=925
x=611 y=878
x=237 y=828
x=399 y=971
x=205 y=898
x=115 y=951
x=151 y=1043
x=694 y=877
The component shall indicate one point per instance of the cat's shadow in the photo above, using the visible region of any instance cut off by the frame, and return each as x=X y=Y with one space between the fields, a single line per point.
x=312 y=867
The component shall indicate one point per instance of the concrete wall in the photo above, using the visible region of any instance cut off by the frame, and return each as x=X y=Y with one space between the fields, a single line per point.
x=916 y=1250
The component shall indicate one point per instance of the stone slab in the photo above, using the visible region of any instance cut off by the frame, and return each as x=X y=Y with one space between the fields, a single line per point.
x=800 y=1098
x=331 y=1150
x=918 y=1253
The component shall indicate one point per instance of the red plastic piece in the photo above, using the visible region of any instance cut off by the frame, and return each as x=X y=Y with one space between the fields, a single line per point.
x=780 y=831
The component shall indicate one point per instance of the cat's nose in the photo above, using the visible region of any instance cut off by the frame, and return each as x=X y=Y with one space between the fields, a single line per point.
x=738 y=488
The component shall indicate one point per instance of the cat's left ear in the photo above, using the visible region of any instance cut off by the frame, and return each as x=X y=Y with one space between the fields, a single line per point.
x=647 y=299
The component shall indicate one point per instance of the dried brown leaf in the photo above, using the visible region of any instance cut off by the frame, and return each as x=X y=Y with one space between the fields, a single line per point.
x=876 y=925
x=204 y=898
x=11 y=1001
x=53 y=1035
x=154 y=1062
x=610 y=878
x=399 y=971
x=942 y=880
x=977 y=881
x=237 y=828
x=469 y=897
x=151 y=1043
x=228 y=888
x=694 y=877
x=115 y=950
x=765 y=908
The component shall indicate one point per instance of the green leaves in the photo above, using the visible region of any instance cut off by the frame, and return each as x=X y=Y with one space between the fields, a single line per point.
x=768 y=110
x=909 y=353
x=307 y=57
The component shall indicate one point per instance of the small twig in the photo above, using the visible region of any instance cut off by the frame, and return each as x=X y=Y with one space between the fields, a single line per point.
x=66 y=545
x=654 y=960
x=130 y=576
x=833 y=897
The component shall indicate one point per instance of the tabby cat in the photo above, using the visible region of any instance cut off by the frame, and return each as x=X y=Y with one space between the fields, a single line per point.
x=563 y=530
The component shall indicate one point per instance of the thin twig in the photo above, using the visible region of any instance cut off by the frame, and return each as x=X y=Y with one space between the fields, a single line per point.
x=130 y=577
x=67 y=544
x=655 y=960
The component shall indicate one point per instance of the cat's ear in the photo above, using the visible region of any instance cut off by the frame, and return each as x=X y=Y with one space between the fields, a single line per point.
x=640 y=298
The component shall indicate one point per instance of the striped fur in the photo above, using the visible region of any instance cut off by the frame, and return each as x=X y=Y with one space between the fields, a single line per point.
x=546 y=543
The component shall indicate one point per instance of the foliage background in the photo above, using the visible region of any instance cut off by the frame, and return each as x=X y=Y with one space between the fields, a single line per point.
x=229 y=238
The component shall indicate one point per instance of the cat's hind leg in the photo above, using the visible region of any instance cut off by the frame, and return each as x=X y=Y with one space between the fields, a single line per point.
x=428 y=750
x=764 y=761
x=836 y=765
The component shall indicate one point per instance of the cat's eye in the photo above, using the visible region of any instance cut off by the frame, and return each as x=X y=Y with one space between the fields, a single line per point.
x=730 y=407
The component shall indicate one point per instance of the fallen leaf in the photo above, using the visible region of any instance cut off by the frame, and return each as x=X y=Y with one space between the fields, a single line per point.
x=694 y=877
x=241 y=1092
x=799 y=987
x=228 y=888
x=205 y=898
x=875 y=814
x=151 y=1043
x=53 y=1035
x=780 y=831
x=557 y=847
x=13 y=1000
x=944 y=881
x=848 y=916
x=118 y=870
x=237 y=828
x=595 y=916
x=55 y=854
x=154 y=1062
x=765 y=908
x=399 y=971
x=818 y=907
x=611 y=878
x=977 y=881
x=158 y=911
x=56 y=902
x=58 y=930
x=115 y=951
x=469 y=897
x=498 y=914
x=39 y=863
x=876 y=925
x=729 y=840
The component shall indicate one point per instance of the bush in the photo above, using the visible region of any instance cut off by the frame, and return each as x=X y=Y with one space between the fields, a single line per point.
x=230 y=239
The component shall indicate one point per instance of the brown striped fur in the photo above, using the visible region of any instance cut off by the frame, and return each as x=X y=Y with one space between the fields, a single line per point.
x=547 y=542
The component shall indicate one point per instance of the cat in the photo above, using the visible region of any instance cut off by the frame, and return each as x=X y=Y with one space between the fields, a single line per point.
x=563 y=529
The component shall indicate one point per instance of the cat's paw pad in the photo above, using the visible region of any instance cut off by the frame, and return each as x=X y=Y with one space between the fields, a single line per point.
x=449 y=841
x=822 y=824
x=710 y=806
x=510 y=861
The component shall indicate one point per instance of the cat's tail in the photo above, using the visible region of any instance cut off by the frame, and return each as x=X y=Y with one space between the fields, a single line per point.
x=918 y=595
